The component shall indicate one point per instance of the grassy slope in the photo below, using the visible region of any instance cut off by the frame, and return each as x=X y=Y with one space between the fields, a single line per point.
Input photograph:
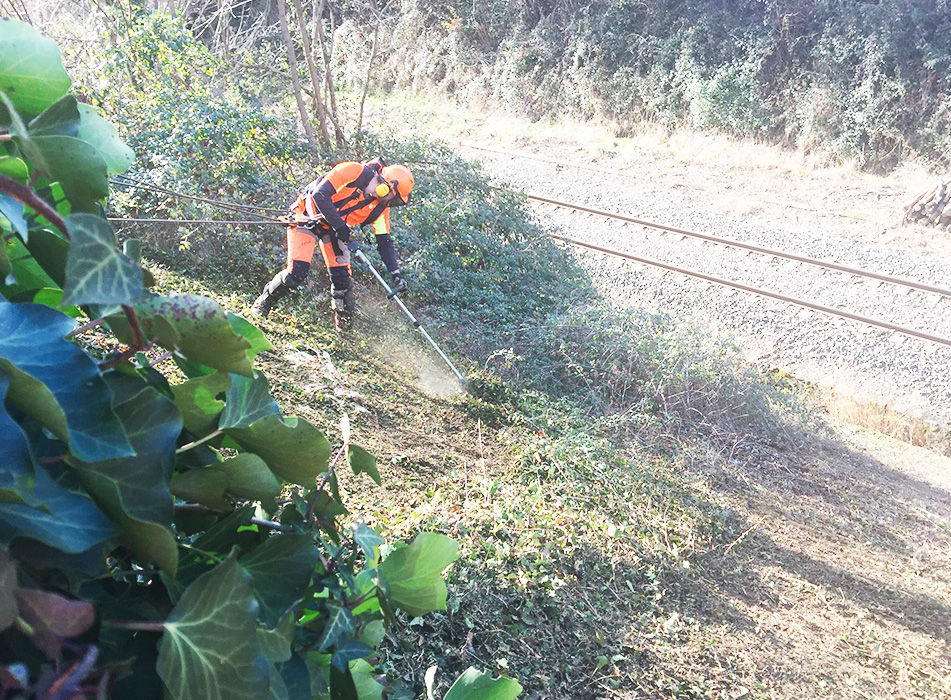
x=612 y=546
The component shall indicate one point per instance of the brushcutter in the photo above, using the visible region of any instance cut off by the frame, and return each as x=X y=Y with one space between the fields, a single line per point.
x=394 y=295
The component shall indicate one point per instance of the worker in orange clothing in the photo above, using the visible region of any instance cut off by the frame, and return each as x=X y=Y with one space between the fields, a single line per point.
x=350 y=194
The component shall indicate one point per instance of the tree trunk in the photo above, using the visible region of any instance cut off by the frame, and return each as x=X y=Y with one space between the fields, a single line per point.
x=319 y=109
x=328 y=80
x=292 y=64
x=366 y=84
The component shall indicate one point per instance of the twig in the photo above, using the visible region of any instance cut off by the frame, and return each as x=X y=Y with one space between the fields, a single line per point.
x=210 y=436
x=136 y=625
x=87 y=327
x=6 y=137
x=271 y=524
x=27 y=196
x=739 y=539
x=138 y=339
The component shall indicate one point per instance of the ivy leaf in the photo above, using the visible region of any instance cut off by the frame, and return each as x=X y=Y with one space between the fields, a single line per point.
x=368 y=540
x=205 y=485
x=27 y=276
x=276 y=643
x=296 y=677
x=95 y=130
x=16 y=469
x=53 y=618
x=361 y=461
x=196 y=401
x=31 y=69
x=55 y=516
x=97 y=272
x=347 y=651
x=56 y=383
x=254 y=335
x=134 y=491
x=293 y=449
x=281 y=569
x=340 y=625
x=249 y=477
x=51 y=252
x=364 y=680
x=247 y=401
x=74 y=164
x=14 y=168
x=412 y=576
x=474 y=685
x=204 y=333
x=59 y=119
x=13 y=211
x=210 y=646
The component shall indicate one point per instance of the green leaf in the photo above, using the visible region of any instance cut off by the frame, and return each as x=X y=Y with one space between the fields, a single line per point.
x=14 y=168
x=51 y=251
x=55 y=516
x=13 y=211
x=247 y=401
x=31 y=69
x=340 y=625
x=368 y=540
x=412 y=575
x=276 y=642
x=59 y=119
x=205 y=485
x=281 y=569
x=294 y=449
x=95 y=130
x=254 y=335
x=474 y=685
x=349 y=650
x=249 y=477
x=56 y=383
x=203 y=331
x=97 y=272
x=29 y=275
x=363 y=462
x=296 y=677
x=196 y=401
x=210 y=646
x=16 y=467
x=341 y=685
x=74 y=164
x=134 y=491
x=364 y=680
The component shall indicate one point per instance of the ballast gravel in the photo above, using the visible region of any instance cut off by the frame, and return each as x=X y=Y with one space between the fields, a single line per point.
x=906 y=374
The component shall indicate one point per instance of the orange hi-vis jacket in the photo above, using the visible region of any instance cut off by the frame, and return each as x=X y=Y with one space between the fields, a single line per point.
x=339 y=198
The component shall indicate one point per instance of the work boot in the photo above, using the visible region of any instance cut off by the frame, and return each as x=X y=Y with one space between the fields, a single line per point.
x=279 y=287
x=262 y=305
x=341 y=301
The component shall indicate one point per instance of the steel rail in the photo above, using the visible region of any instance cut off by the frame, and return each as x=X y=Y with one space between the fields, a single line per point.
x=732 y=243
x=838 y=313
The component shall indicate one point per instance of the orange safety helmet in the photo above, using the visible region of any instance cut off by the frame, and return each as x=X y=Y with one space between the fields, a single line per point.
x=402 y=181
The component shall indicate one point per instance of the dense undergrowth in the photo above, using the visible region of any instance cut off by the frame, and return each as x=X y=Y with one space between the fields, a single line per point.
x=854 y=80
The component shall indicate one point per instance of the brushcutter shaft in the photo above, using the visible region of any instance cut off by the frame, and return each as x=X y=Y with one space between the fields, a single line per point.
x=416 y=324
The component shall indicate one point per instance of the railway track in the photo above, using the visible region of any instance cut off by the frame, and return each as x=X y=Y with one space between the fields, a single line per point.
x=854 y=272
x=849 y=272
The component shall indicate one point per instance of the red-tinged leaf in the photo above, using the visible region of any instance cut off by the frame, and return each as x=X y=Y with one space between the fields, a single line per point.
x=53 y=618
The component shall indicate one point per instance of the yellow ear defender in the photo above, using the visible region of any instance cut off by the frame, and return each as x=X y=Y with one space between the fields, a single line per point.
x=382 y=190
